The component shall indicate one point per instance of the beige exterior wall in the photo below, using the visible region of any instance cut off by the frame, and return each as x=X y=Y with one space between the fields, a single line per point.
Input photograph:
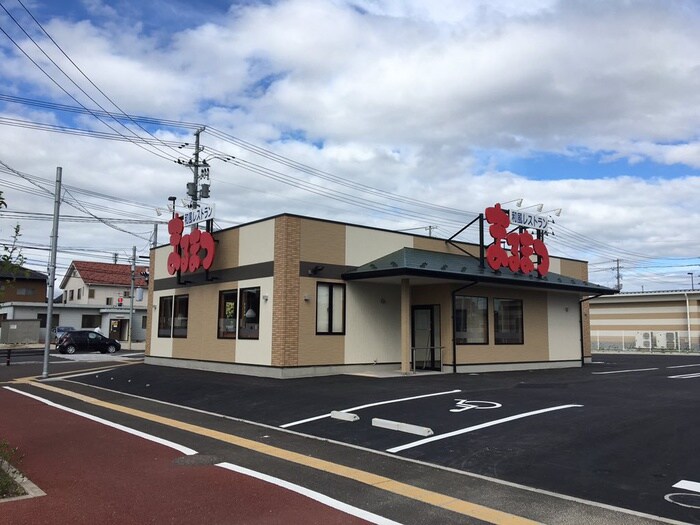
x=322 y=241
x=363 y=245
x=256 y=243
x=373 y=310
x=564 y=326
x=621 y=320
x=535 y=328
x=316 y=349
x=373 y=323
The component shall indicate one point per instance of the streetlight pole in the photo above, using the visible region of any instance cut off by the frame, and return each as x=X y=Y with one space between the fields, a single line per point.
x=692 y=283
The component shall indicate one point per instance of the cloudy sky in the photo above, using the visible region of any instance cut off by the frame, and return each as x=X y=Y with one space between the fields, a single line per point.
x=396 y=114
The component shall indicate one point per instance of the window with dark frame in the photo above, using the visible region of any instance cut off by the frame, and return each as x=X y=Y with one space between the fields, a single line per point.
x=42 y=320
x=508 y=321
x=180 y=309
x=330 y=309
x=91 y=293
x=91 y=321
x=165 y=316
x=471 y=320
x=144 y=322
x=228 y=314
x=249 y=314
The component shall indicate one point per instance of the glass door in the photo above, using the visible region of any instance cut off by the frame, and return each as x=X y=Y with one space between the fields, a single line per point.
x=424 y=338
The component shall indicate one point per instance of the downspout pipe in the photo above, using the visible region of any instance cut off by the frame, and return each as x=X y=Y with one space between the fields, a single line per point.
x=454 y=326
x=580 y=321
x=687 y=313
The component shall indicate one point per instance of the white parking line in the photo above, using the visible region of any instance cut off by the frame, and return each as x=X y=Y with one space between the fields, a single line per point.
x=323 y=416
x=684 y=484
x=624 y=371
x=683 y=366
x=180 y=448
x=321 y=498
x=685 y=376
x=478 y=427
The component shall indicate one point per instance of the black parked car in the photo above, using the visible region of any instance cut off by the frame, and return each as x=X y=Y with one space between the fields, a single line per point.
x=86 y=341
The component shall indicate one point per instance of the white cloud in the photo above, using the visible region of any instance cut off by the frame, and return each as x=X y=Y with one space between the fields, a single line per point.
x=403 y=96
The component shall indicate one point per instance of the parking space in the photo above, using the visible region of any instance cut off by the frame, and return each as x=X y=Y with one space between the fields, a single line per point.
x=621 y=431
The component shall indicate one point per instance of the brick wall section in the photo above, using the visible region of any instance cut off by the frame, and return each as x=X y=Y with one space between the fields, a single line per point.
x=285 y=306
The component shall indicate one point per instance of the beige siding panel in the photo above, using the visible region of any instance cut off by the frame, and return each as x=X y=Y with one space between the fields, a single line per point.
x=670 y=327
x=226 y=250
x=564 y=327
x=373 y=323
x=256 y=243
x=575 y=269
x=554 y=265
x=641 y=317
x=599 y=323
x=322 y=242
x=628 y=310
x=363 y=245
x=201 y=342
x=316 y=349
x=535 y=328
x=159 y=261
x=159 y=346
x=439 y=245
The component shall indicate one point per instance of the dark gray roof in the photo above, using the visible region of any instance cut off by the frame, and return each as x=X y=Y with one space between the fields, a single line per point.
x=20 y=273
x=409 y=262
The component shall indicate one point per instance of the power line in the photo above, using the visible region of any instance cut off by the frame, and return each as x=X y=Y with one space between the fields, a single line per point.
x=158 y=152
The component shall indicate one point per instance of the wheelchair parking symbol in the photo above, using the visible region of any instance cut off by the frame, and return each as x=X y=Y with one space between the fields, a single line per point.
x=465 y=404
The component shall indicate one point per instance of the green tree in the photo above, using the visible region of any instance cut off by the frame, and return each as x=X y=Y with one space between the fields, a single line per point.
x=11 y=259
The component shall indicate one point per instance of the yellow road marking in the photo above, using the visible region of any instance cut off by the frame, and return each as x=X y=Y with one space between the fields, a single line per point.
x=437 y=499
x=30 y=379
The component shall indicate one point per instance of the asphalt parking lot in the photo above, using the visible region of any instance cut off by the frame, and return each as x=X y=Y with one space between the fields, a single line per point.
x=622 y=431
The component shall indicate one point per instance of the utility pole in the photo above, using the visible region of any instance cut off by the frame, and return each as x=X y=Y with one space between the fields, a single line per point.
x=52 y=270
x=619 y=278
x=131 y=294
x=193 y=190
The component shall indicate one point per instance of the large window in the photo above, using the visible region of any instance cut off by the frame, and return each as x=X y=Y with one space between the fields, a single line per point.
x=330 y=308
x=165 y=317
x=180 y=315
x=249 y=314
x=508 y=319
x=471 y=320
x=42 y=320
x=91 y=321
x=228 y=314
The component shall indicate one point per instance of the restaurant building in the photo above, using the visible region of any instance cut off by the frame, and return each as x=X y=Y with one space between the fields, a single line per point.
x=291 y=296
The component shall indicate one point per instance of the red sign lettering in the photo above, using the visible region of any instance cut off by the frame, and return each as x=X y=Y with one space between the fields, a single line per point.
x=522 y=246
x=187 y=249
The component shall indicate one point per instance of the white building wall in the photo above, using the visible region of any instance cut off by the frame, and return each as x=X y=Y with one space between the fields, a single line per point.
x=160 y=346
x=258 y=351
x=256 y=243
x=362 y=244
x=564 y=326
x=373 y=323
